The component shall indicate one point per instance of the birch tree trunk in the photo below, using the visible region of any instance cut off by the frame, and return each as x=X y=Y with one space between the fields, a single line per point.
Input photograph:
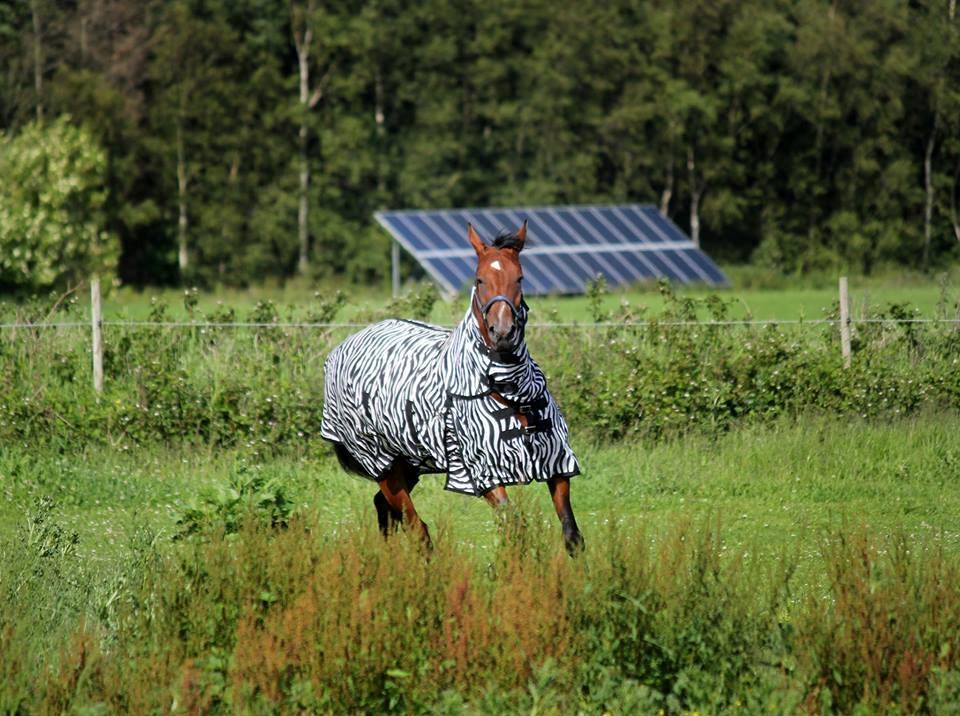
x=37 y=58
x=83 y=34
x=380 y=120
x=302 y=39
x=667 y=193
x=303 y=60
x=182 y=255
x=954 y=218
x=928 y=160
x=928 y=185
x=696 y=191
x=228 y=228
x=822 y=101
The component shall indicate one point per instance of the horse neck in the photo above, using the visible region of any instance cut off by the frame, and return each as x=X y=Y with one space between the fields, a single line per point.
x=468 y=365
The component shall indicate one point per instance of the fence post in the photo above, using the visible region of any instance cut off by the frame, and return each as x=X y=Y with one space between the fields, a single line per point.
x=845 y=321
x=96 y=319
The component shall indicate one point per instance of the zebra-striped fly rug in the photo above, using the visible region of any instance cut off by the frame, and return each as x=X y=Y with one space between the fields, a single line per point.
x=424 y=393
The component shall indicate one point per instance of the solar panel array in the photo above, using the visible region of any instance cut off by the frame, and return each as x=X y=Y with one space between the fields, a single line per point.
x=566 y=246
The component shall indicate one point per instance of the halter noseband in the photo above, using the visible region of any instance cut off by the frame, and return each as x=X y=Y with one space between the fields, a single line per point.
x=519 y=318
x=485 y=308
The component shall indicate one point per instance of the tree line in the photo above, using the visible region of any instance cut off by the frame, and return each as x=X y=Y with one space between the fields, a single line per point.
x=246 y=139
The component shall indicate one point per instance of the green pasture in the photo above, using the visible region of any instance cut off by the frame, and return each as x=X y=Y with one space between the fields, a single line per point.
x=181 y=543
x=744 y=573
x=775 y=487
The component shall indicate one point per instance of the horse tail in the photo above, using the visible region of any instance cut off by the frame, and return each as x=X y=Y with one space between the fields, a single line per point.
x=348 y=462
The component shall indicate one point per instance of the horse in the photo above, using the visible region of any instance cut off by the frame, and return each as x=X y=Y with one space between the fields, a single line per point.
x=404 y=398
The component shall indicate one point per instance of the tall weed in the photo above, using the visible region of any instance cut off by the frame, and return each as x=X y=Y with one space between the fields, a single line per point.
x=302 y=618
x=887 y=630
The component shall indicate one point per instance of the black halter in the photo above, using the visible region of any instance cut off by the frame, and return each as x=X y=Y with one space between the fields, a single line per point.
x=519 y=318
x=519 y=314
x=485 y=308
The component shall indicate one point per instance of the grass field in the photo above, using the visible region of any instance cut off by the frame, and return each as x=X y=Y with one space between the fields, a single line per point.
x=783 y=555
x=738 y=507
x=771 y=487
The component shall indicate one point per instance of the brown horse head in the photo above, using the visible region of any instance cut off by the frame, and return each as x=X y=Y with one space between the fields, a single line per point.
x=498 y=297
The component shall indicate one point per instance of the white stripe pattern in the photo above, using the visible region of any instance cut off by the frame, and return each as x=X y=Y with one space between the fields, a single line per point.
x=403 y=389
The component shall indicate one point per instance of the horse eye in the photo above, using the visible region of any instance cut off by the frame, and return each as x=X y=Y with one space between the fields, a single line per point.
x=479 y=281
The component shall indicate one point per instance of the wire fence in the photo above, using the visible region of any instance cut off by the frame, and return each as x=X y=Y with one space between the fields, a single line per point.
x=845 y=324
x=585 y=325
x=100 y=331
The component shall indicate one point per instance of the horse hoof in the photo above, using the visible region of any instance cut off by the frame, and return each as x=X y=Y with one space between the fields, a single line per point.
x=427 y=542
x=387 y=519
x=574 y=544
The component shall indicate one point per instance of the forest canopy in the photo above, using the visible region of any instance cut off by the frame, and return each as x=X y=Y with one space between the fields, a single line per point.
x=246 y=139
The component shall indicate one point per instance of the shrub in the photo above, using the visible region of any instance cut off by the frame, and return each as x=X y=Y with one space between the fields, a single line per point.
x=263 y=387
x=249 y=494
x=51 y=207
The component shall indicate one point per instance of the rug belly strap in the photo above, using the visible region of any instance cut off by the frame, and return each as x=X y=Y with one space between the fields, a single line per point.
x=528 y=408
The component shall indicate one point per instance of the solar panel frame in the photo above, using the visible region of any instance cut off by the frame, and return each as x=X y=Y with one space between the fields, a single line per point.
x=567 y=245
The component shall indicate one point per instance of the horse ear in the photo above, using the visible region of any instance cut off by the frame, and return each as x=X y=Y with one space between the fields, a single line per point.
x=521 y=235
x=475 y=240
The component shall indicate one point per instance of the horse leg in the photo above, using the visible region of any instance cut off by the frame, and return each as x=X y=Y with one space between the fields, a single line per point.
x=507 y=516
x=388 y=519
x=560 y=492
x=496 y=497
x=395 y=486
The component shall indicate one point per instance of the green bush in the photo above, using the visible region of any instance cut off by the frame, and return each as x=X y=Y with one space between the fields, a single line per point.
x=263 y=387
x=249 y=494
x=52 y=224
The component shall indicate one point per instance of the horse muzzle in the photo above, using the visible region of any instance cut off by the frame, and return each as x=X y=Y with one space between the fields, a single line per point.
x=502 y=333
x=504 y=322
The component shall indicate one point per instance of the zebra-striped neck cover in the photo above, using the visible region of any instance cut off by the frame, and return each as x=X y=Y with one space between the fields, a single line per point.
x=472 y=367
x=427 y=394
